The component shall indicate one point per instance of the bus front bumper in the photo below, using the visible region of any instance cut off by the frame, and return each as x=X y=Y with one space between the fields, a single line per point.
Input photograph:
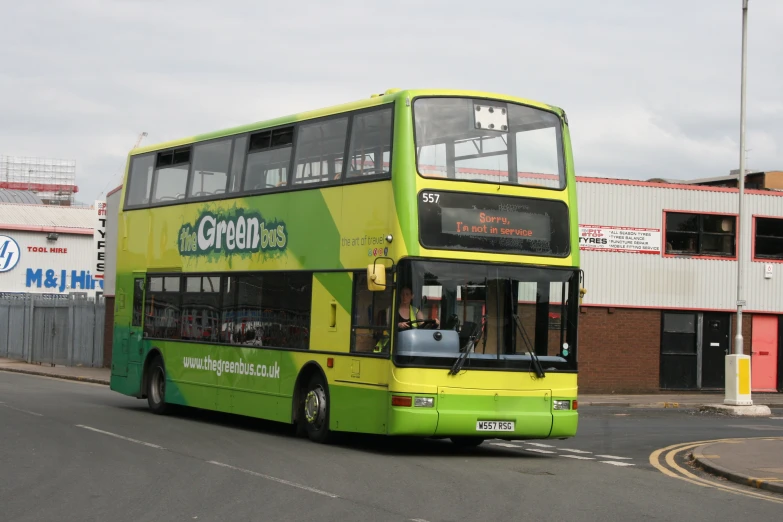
x=482 y=413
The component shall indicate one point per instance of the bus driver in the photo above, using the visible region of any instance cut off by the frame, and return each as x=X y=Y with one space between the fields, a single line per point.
x=407 y=310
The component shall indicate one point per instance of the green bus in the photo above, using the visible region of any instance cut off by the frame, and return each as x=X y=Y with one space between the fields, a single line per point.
x=403 y=265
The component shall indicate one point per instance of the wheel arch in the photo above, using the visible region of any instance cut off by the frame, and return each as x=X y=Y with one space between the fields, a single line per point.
x=307 y=372
x=151 y=355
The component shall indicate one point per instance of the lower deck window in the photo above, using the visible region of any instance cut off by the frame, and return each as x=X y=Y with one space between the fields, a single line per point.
x=263 y=309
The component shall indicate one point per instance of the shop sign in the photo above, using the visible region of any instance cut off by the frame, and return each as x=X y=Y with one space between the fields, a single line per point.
x=620 y=239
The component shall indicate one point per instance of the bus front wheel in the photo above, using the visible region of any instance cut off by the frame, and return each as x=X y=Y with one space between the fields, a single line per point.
x=315 y=413
x=156 y=386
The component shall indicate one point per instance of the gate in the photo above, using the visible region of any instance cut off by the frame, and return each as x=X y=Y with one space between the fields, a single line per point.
x=67 y=332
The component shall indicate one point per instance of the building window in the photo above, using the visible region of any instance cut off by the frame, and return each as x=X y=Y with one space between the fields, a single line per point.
x=768 y=243
x=700 y=234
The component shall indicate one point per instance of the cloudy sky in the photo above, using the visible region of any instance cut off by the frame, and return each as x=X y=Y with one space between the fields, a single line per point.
x=651 y=87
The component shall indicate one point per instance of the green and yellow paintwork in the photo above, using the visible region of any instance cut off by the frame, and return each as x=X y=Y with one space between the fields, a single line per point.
x=332 y=232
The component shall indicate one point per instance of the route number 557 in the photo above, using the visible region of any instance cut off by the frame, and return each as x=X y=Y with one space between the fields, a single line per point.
x=429 y=197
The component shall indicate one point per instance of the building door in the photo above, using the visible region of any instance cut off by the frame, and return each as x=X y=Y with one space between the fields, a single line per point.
x=693 y=350
x=780 y=353
x=764 y=353
x=679 y=351
x=716 y=330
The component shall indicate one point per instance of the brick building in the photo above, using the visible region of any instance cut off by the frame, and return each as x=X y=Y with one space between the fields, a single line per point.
x=660 y=265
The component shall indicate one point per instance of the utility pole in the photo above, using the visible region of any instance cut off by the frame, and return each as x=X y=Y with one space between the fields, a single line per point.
x=738 y=364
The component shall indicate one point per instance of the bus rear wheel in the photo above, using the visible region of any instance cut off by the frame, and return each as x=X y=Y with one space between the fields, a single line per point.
x=315 y=410
x=467 y=442
x=156 y=386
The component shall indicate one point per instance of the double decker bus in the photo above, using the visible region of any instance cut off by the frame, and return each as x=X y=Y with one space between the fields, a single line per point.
x=402 y=265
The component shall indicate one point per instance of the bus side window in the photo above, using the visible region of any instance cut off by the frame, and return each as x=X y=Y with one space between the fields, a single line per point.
x=138 y=301
x=372 y=314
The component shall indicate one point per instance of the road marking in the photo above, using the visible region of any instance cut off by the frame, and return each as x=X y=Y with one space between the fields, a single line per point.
x=614 y=457
x=418 y=520
x=756 y=427
x=579 y=457
x=275 y=479
x=539 y=444
x=21 y=410
x=539 y=450
x=776 y=418
x=110 y=434
x=680 y=473
x=615 y=463
x=504 y=445
x=575 y=450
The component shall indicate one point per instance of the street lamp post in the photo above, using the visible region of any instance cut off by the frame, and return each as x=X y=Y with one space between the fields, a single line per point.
x=738 y=364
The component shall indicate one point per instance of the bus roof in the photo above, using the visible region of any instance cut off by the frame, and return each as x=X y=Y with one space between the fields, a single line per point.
x=389 y=96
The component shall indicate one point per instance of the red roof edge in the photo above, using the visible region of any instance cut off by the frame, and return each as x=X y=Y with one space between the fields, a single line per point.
x=681 y=186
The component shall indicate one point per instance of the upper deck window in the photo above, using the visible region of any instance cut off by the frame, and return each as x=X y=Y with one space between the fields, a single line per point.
x=269 y=159
x=171 y=175
x=320 y=149
x=489 y=141
x=210 y=168
x=140 y=180
x=371 y=143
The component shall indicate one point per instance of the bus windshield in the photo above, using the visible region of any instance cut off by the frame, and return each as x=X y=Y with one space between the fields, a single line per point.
x=500 y=314
x=472 y=139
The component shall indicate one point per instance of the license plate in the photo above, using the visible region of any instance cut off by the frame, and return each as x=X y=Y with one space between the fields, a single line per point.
x=494 y=426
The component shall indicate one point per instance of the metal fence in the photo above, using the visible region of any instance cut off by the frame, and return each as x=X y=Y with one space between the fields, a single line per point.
x=43 y=330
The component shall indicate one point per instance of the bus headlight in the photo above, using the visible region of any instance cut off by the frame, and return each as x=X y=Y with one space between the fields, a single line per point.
x=561 y=405
x=424 y=402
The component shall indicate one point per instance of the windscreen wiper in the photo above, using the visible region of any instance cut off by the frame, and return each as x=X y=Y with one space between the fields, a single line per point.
x=533 y=357
x=475 y=336
x=534 y=362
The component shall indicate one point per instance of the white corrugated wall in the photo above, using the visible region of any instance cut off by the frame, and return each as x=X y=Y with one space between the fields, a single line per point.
x=80 y=257
x=652 y=280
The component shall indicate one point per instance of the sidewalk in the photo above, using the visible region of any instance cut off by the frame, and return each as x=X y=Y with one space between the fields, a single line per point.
x=671 y=400
x=753 y=462
x=682 y=400
x=71 y=373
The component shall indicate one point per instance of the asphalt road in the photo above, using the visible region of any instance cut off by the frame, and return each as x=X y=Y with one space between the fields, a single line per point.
x=72 y=451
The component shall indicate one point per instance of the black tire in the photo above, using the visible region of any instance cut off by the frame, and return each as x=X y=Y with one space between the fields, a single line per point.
x=467 y=442
x=156 y=386
x=315 y=410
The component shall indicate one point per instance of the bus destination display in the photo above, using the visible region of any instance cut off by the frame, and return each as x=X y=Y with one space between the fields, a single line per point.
x=488 y=223
x=471 y=222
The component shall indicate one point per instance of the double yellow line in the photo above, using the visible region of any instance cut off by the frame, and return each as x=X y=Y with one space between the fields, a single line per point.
x=669 y=466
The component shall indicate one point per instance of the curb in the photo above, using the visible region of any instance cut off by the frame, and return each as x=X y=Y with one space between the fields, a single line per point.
x=661 y=405
x=57 y=376
x=698 y=457
x=638 y=405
